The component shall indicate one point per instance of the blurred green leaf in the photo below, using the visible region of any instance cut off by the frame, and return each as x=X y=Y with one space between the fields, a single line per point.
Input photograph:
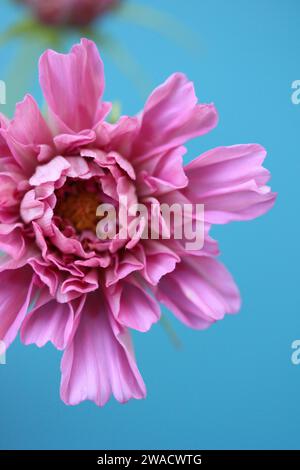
x=31 y=29
x=21 y=74
x=115 y=112
x=167 y=326
x=161 y=22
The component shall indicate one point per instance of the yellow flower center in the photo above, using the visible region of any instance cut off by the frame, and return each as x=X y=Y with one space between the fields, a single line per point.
x=79 y=210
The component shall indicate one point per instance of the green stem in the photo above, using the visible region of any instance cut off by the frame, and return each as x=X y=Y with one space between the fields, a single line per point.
x=175 y=340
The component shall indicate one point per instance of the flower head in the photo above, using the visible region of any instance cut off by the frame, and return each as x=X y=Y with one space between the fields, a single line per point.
x=70 y=12
x=90 y=290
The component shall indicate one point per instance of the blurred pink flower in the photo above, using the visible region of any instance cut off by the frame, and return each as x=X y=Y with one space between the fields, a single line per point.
x=54 y=175
x=70 y=12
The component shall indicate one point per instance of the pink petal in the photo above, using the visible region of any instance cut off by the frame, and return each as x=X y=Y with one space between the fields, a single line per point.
x=172 y=117
x=67 y=142
x=73 y=86
x=50 y=172
x=16 y=292
x=48 y=321
x=12 y=240
x=8 y=189
x=17 y=250
x=157 y=258
x=231 y=183
x=26 y=133
x=74 y=287
x=162 y=173
x=67 y=244
x=199 y=292
x=99 y=361
x=122 y=268
x=122 y=134
x=133 y=307
x=31 y=208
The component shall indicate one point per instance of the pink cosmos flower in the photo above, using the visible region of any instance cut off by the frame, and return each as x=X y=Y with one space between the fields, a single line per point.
x=70 y=12
x=88 y=292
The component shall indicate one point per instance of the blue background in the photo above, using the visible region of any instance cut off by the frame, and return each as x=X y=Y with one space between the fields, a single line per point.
x=233 y=386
